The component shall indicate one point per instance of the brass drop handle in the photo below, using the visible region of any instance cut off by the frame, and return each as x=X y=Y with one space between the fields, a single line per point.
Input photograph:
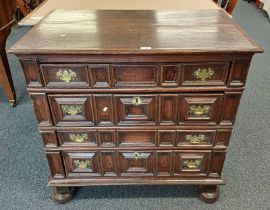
x=199 y=110
x=72 y=109
x=192 y=164
x=82 y=164
x=136 y=156
x=136 y=101
x=194 y=139
x=204 y=73
x=66 y=75
x=79 y=138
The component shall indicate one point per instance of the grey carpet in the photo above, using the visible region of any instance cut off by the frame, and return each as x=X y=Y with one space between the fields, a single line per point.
x=24 y=170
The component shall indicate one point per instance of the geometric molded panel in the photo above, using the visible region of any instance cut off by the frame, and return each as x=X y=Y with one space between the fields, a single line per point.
x=81 y=163
x=71 y=110
x=192 y=163
x=136 y=109
x=136 y=163
x=200 y=108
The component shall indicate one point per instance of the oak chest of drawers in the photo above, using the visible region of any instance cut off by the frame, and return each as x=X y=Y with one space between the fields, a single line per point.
x=135 y=97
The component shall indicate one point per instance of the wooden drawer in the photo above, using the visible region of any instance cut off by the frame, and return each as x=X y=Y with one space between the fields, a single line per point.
x=127 y=75
x=72 y=110
x=136 y=109
x=192 y=163
x=82 y=110
x=65 y=75
x=132 y=110
x=78 y=138
x=205 y=74
x=195 y=138
x=135 y=75
x=82 y=163
x=137 y=163
x=200 y=108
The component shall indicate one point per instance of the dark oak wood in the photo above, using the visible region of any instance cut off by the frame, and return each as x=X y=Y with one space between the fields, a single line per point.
x=209 y=193
x=112 y=113
x=135 y=32
x=63 y=194
x=7 y=20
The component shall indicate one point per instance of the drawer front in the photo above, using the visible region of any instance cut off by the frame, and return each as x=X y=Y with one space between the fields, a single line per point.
x=195 y=138
x=132 y=75
x=205 y=74
x=78 y=138
x=65 y=75
x=82 y=163
x=135 y=75
x=200 y=108
x=74 y=110
x=133 y=110
x=136 y=109
x=192 y=163
x=137 y=138
x=137 y=163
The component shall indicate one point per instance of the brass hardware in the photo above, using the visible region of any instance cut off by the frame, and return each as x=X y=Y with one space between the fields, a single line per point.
x=82 y=164
x=72 y=109
x=192 y=164
x=136 y=156
x=66 y=75
x=199 y=110
x=79 y=138
x=136 y=101
x=195 y=139
x=204 y=73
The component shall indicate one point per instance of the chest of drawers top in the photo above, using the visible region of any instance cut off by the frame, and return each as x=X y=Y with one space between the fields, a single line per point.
x=135 y=32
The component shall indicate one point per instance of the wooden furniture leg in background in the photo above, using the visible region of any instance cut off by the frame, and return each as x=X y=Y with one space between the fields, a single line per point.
x=5 y=74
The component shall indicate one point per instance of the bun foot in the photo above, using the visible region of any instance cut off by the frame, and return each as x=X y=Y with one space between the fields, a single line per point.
x=209 y=193
x=63 y=194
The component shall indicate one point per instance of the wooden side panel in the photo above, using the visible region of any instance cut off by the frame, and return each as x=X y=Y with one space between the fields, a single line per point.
x=49 y=139
x=217 y=161
x=223 y=137
x=230 y=107
x=239 y=72
x=31 y=72
x=41 y=109
x=56 y=165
